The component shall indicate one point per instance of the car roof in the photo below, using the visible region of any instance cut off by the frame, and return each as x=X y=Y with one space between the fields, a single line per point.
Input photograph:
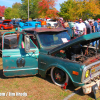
x=7 y=20
x=32 y=22
x=45 y=29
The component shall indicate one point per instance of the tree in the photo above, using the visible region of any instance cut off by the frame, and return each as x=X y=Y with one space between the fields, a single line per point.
x=68 y=10
x=47 y=8
x=33 y=8
x=73 y=9
x=7 y=13
x=2 y=10
x=15 y=12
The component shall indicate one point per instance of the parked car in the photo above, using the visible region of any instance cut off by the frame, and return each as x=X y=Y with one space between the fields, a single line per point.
x=15 y=22
x=1 y=22
x=29 y=24
x=51 y=22
x=6 y=25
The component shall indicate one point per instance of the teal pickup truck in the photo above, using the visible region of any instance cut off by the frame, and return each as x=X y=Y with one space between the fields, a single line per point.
x=50 y=50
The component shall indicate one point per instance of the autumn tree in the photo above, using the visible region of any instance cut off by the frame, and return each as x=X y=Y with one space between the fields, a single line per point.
x=2 y=10
x=47 y=8
x=91 y=9
x=72 y=9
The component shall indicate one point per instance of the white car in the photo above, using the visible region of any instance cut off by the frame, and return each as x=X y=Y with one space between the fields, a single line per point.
x=51 y=22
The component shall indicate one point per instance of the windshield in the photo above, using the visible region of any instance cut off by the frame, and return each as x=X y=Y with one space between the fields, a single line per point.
x=52 y=38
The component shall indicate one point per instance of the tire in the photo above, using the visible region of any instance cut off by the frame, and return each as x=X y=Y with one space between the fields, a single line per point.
x=2 y=28
x=59 y=77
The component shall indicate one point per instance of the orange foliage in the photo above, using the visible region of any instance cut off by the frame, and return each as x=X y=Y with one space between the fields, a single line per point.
x=47 y=8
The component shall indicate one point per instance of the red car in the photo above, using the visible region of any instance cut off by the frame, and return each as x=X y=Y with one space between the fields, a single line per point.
x=5 y=24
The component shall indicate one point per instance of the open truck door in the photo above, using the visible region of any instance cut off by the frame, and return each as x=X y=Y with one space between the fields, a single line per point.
x=16 y=60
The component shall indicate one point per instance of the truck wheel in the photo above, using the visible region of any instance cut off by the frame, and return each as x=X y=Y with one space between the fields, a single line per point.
x=2 y=28
x=58 y=76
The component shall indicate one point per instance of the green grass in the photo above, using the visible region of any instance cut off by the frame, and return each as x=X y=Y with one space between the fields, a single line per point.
x=34 y=79
x=8 y=30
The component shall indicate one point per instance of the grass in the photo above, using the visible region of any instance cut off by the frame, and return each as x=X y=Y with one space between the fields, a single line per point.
x=8 y=30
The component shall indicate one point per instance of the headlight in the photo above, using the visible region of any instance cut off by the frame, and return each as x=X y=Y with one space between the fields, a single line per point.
x=87 y=73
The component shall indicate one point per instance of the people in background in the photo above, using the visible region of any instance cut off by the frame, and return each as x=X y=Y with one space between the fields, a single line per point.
x=92 y=26
x=60 y=22
x=93 y=30
x=96 y=26
x=66 y=26
x=88 y=27
x=79 y=28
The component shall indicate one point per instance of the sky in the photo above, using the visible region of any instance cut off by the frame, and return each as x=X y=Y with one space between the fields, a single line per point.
x=9 y=3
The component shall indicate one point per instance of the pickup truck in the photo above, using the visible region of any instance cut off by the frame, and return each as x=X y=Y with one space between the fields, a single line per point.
x=50 y=51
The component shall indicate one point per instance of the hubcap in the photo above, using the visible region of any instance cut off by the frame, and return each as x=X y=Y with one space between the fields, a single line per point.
x=59 y=76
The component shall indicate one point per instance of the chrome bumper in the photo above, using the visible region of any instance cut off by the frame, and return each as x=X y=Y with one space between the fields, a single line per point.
x=88 y=87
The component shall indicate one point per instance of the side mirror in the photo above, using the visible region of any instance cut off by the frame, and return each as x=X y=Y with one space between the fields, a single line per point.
x=27 y=43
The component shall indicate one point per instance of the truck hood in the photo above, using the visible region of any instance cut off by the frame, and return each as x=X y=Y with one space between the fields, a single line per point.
x=85 y=39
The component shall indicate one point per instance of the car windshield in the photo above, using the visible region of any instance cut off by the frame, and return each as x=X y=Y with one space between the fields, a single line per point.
x=5 y=23
x=53 y=39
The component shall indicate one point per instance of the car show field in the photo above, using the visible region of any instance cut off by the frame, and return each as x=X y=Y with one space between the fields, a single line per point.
x=37 y=88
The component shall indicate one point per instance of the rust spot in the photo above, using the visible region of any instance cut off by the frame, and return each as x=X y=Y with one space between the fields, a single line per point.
x=6 y=67
x=13 y=67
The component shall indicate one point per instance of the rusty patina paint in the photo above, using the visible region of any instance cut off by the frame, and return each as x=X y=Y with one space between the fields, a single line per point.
x=13 y=67
x=7 y=67
x=44 y=29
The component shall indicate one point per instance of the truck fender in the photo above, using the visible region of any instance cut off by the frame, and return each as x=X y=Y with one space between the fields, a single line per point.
x=60 y=67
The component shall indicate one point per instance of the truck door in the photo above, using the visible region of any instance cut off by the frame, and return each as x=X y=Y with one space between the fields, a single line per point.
x=16 y=62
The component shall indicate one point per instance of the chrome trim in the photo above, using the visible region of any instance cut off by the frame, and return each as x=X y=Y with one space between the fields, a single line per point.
x=21 y=69
x=85 y=69
x=43 y=63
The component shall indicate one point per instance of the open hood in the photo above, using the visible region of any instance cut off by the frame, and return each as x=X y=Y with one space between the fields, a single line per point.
x=85 y=39
x=6 y=21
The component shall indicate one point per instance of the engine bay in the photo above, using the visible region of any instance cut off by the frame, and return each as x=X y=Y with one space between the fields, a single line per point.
x=80 y=53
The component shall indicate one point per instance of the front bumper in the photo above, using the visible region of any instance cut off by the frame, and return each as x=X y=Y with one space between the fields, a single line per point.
x=88 y=87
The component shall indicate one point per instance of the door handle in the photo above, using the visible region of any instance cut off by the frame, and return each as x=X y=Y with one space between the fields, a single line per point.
x=6 y=56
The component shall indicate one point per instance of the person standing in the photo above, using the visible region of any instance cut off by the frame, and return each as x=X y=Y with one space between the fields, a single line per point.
x=79 y=28
x=92 y=26
x=96 y=26
x=88 y=27
x=93 y=30
x=60 y=23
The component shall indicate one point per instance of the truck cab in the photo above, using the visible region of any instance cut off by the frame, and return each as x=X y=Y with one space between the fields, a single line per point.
x=50 y=50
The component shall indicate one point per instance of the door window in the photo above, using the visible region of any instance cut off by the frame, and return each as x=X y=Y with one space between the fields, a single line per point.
x=10 y=41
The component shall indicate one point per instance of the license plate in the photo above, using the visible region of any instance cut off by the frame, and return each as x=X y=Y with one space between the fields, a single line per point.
x=96 y=91
x=92 y=70
x=95 y=68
